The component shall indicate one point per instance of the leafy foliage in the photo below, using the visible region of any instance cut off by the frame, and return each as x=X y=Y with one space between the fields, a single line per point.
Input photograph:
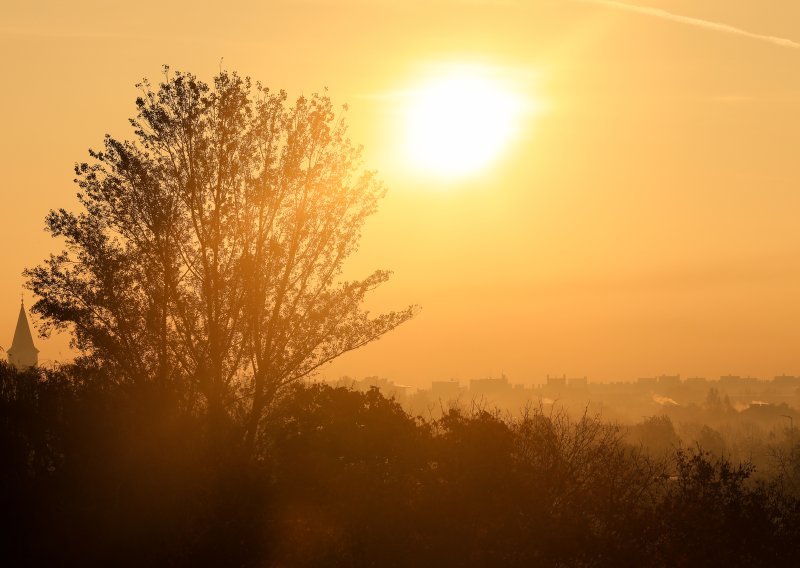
x=208 y=248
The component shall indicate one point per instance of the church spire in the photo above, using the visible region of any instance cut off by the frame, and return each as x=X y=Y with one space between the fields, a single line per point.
x=23 y=352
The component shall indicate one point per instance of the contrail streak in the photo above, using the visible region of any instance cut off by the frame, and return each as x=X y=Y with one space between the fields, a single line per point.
x=697 y=22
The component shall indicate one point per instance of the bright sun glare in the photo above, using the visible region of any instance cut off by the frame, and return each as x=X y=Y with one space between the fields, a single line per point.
x=460 y=123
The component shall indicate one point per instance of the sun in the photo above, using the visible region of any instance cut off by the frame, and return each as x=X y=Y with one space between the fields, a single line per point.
x=460 y=122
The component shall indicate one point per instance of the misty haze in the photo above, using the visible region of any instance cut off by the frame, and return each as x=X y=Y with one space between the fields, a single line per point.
x=401 y=283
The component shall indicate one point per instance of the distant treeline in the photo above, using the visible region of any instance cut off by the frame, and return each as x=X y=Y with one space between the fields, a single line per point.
x=95 y=473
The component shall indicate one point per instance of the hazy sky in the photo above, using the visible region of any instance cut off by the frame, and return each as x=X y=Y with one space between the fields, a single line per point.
x=644 y=219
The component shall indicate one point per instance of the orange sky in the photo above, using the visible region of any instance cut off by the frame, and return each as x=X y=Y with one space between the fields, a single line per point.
x=644 y=222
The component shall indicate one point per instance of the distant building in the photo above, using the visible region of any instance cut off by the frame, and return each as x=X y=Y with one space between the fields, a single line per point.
x=556 y=382
x=387 y=388
x=669 y=380
x=696 y=380
x=647 y=380
x=489 y=386
x=23 y=353
x=578 y=382
x=446 y=390
x=786 y=381
x=732 y=380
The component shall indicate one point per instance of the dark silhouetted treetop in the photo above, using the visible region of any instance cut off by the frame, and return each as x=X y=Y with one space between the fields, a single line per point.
x=208 y=249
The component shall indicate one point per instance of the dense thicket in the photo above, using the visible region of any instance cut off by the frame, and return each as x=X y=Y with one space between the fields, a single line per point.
x=95 y=473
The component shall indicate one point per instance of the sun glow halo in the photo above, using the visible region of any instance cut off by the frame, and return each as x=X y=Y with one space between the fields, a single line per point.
x=460 y=123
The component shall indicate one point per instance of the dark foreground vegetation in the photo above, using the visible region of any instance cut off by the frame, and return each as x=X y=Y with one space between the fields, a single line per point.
x=94 y=473
x=202 y=282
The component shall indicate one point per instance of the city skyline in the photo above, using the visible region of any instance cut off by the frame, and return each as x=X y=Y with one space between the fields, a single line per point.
x=23 y=332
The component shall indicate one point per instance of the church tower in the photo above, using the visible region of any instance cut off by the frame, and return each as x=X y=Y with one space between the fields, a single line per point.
x=23 y=353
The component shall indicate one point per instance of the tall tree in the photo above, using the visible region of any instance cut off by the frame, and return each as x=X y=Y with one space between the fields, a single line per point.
x=208 y=249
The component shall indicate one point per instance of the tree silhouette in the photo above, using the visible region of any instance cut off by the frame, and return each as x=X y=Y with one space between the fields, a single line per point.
x=208 y=248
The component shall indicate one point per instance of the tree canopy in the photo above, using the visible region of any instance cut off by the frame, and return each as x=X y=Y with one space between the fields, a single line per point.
x=207 y=250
